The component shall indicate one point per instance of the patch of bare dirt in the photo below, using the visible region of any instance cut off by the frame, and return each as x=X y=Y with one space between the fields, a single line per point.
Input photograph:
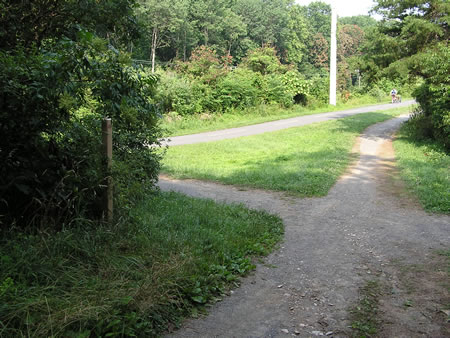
x=368 y=228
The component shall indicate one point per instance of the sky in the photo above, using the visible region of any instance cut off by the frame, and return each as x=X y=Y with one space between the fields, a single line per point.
x=346 y=7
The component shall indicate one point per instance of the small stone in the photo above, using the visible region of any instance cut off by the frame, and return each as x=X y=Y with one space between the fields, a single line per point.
x=329 y=333
x=317 y=333
x=280 y=286
x=285 y=331
x=297 y=332
x=302 y=325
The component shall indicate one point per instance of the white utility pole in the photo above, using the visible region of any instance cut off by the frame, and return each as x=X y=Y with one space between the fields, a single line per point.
x=333 y=57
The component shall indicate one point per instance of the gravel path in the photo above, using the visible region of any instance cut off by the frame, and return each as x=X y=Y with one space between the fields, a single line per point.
x=277 y=125
x=367 y=228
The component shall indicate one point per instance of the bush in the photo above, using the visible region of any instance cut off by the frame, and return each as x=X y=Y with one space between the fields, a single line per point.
x=274 y=91
x=51 y=169
x=433 y=95
x=175 y=94
x=238 y=89
x=319 y=89
x=297 y=86
x=264 y=60
x=377 y=93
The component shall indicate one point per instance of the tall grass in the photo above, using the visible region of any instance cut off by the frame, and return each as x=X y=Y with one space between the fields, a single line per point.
x=306 y=160
x=425 y=166
x=134 y=278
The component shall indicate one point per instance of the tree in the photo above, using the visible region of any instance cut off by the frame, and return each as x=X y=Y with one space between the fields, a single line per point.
x=296 y=36
x=364 y=22
x=420 y=31
x=31 y=22
x=319 y=54
x=160 y=19
x=58 y=81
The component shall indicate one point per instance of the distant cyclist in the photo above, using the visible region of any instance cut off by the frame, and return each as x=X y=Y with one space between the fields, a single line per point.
x=394 y=95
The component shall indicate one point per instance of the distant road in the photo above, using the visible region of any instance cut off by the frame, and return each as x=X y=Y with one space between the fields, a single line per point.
x=277 y=125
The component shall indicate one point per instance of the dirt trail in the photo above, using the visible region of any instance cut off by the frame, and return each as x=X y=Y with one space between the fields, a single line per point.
x=367 y=228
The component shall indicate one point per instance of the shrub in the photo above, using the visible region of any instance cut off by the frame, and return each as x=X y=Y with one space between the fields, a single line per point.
x=433 y=95
x=274 y=91
x=49 y=150
x=175 y=94
x=319 y=89
x=264 y=60
x=238 y=89
x=297 y=86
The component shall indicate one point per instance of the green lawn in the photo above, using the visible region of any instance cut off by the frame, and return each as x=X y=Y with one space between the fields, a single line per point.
x=134 y=278
x=425 y=166
x=305 y=160
x=184 y=125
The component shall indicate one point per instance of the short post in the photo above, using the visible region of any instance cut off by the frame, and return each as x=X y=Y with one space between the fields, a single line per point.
x=107 y=153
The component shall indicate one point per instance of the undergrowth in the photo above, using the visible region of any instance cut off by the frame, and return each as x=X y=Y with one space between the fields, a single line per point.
x=134 y=279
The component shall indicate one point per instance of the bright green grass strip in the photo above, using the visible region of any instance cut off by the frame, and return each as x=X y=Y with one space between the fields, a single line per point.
x=133 y=279
x=264 y=113
x=305 y=160
x=425 y=166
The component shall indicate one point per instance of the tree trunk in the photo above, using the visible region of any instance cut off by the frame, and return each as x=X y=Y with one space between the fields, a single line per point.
x=205 y=33
x=184 y=46
x=154 y=44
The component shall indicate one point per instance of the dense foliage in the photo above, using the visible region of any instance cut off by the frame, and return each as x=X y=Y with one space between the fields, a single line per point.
x=58 y=82
x=411 y=43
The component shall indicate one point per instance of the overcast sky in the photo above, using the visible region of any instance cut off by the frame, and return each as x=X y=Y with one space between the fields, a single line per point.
x=346 y=7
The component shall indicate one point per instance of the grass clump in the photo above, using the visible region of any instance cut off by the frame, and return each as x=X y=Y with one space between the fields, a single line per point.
x=176 y=124
x=364 y=315
x=134 y=278
x=306 y=160
x=424 y=165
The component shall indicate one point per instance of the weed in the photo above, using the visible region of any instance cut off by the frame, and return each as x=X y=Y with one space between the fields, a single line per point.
x=364 y=314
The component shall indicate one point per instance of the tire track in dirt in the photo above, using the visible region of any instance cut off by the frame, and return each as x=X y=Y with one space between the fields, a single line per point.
x=366 y=228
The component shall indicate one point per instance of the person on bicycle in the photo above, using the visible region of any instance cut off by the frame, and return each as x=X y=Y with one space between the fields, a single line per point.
x=394 y=95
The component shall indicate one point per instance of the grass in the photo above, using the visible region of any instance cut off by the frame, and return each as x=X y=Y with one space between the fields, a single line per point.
x=134 y=279
x=176 y=125
x=425 y=166
x=305 y=160
x=365 y=314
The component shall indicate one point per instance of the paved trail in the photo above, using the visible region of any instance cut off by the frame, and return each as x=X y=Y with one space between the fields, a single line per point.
x=277 y=125
x=367 y=228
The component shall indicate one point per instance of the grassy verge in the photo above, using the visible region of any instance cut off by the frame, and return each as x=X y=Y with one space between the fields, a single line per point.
x=134 y=279
x=305 y=160
x=425 y=167
x=176 y=125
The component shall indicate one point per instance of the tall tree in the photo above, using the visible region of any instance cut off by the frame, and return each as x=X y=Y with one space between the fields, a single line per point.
x=296 y=36
x=160 y=19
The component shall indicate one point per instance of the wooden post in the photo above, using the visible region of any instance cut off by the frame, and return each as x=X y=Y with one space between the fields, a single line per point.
x=107 y=153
